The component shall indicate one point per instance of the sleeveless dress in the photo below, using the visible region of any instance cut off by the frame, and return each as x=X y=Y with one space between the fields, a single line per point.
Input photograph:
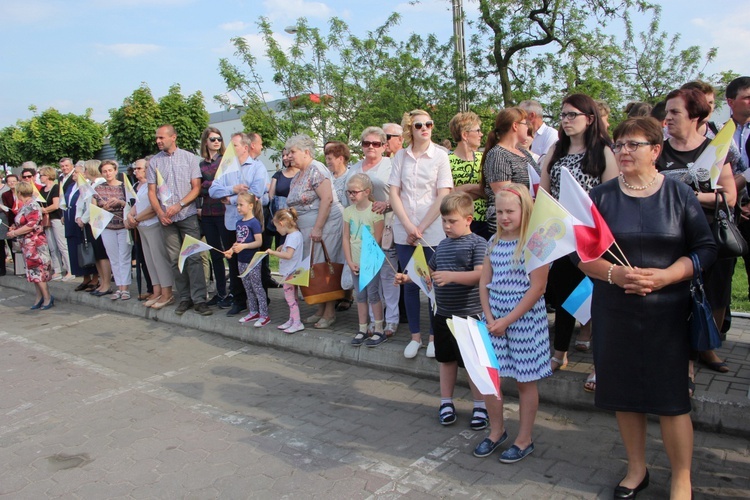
x=523 y=352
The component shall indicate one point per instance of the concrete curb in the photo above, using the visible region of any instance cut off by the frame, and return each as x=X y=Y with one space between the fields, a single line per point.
x=711 y=411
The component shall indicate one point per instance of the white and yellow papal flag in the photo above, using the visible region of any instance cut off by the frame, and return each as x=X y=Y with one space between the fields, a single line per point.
x=98 y=219
x=190 y=246
x=229 y=162
x=714 y=156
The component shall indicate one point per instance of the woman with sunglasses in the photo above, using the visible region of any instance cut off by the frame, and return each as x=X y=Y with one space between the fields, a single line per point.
x=212 y=210
x=584 y=148
x=377 y=167
x=420 y=179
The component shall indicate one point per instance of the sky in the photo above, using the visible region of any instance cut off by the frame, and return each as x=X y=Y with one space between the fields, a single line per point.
x=79 y=54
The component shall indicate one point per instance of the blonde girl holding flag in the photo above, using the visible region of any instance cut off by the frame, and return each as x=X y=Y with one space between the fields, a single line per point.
x=249 y=240
x=290 y=259
x=516 y=316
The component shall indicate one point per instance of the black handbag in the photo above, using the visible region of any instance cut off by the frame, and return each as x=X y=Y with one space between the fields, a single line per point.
x=704 y=335
x=728 y=238
x=85 y=252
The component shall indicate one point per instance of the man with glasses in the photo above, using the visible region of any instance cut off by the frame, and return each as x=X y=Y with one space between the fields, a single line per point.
x=544 y=136
x=251 y=177
x=394 y=139
x=181 y=173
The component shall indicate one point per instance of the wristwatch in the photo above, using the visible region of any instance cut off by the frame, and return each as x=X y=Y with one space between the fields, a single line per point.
x=182 y=205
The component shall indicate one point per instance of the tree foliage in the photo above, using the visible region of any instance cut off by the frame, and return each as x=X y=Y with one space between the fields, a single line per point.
x=49 y=136
x=132 y=126
x=336 y=84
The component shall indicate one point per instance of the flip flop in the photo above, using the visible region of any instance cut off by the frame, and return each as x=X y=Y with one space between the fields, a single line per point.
x=590 y=385
x=717 y=366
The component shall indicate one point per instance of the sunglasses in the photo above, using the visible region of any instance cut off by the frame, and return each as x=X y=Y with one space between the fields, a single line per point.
x=428 y=124
x=374 y=144
x=27 y=176
x=388 y=137
x=214 y=139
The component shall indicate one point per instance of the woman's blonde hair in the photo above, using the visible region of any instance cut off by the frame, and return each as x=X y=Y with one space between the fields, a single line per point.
x=24 y=189
x=363 y=181
x=408 y=120
x=521 y=193
x=286 y=216
x=255 y=202
x=91 y=168
x=50 y=172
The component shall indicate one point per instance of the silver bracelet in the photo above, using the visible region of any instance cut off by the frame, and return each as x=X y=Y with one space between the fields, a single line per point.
x=609 y=274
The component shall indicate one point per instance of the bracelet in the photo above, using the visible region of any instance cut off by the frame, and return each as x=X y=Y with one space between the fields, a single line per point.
x=609 y=274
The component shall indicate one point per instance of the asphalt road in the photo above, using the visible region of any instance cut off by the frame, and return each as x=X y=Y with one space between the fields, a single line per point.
x=101 y=405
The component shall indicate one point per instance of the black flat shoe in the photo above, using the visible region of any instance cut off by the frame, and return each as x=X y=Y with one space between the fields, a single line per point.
x=623 y=492
x=81 y=287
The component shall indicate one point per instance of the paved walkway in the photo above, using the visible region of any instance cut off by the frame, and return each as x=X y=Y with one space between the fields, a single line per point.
x=721 y=401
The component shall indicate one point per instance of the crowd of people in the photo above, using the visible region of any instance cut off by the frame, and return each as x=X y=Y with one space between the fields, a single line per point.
x=468 y=207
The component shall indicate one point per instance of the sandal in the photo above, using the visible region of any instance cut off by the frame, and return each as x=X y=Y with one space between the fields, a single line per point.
x=344 y=305
x=390 y=329
x=447 y=414
x=583 y=345
x=717 y=366
x=691 y=387
x=125 y=296
x=561 y=363
x=480 y=419
x=590 y=385
x=82 y=287
x=91 y=286
x=325 y=323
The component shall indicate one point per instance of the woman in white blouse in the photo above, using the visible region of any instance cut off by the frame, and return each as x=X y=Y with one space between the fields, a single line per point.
x=420 y=179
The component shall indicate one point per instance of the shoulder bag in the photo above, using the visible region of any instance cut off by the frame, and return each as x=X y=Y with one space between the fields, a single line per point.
x=85 y=252
x=704 y=335
x=325 y=279
x=728 y=237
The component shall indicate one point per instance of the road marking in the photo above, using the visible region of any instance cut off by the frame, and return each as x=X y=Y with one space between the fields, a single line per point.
x=74 y=323
x=11 y=297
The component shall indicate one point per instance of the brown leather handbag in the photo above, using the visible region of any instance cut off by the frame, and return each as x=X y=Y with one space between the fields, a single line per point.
x=325 y=279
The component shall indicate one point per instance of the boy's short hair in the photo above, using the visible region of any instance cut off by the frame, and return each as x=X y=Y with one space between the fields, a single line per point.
x=457 y=202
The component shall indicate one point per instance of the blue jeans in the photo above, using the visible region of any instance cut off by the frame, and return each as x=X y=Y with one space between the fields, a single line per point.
x=411 y=291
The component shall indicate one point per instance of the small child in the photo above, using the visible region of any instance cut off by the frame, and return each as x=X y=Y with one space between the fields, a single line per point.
x=359 y=217
x=249 y=239
x=514 y=308
x=290 y=256
x=456 y=267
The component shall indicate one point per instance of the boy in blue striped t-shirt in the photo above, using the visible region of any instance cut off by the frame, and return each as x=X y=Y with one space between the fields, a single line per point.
x=456 y=267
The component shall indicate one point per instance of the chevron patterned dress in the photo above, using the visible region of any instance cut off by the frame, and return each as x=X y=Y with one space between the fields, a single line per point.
x=523 y=352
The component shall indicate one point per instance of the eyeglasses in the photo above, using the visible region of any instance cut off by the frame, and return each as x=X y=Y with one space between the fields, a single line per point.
x=354 y=193
x=27 y=177
x=523 y=123
x=374 y=144
x=214 y=139
x=388 y=137
x=570 y=115
x=428 y=124
x=629 y=146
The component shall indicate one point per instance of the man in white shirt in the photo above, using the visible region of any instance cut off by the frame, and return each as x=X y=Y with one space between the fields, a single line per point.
x=544 y=137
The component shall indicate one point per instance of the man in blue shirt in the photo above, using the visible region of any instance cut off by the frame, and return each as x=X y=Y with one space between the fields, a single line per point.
x=251 y=177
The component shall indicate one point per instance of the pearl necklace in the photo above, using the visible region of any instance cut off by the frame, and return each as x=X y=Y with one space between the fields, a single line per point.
x=638 y=188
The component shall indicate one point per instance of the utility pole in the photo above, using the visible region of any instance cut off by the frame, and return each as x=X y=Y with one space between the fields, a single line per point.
x=458 y=35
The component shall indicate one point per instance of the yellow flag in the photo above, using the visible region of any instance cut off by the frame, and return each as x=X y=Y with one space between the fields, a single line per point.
x=129 y=191
x=550 y=234
x=37 y=195
x=229 y=162
x=189 y=247
x=162 y=190
x=98 y=219
x=714 y=156
x=301 y=275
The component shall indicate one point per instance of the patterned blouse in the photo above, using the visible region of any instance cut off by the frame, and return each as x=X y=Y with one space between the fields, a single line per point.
x=211 y=207
x=105 y=192
x=469 y=172
x=573 y=163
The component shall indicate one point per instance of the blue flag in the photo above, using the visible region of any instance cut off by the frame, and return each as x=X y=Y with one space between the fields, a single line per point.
x=578 y=304
x=371 y=259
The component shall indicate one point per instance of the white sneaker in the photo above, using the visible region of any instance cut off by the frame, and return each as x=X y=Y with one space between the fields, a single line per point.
x=430 y=350
x=250 y=317
x=296 y=327
x=262 y=321
x=411 y=349
x=286 y=325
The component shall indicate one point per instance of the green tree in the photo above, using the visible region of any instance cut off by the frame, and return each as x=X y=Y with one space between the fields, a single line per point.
x=132 y=126
x=336 y=84
x=49 y=136
x=10 y=146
